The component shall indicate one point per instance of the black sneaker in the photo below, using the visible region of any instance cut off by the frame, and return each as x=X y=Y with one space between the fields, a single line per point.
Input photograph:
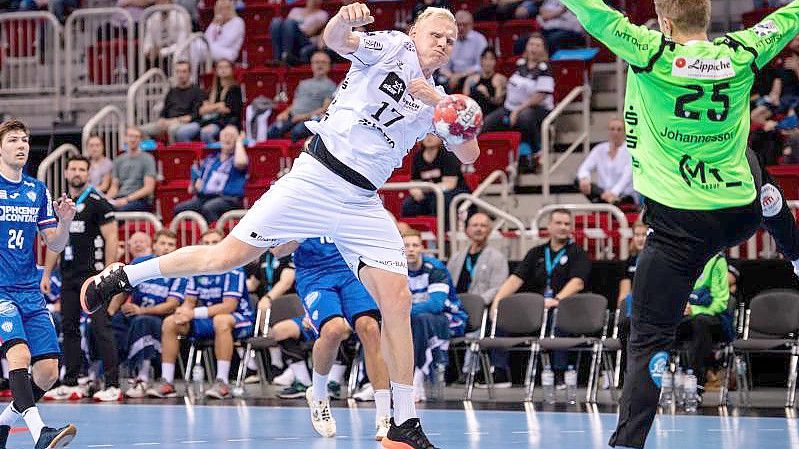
x=52 y=438
x=295 y=391
x=97 y=291
x=4 y=431
x=409 y=435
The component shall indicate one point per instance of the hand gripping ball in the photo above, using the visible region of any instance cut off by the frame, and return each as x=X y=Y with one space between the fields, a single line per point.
x=457 y=118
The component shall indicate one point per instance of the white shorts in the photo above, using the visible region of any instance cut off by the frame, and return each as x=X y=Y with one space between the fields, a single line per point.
x=311 y=201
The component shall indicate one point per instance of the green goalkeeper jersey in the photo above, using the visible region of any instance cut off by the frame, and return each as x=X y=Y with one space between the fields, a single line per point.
x=687 y=105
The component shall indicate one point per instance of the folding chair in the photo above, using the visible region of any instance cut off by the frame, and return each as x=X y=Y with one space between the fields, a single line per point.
x=475 y=307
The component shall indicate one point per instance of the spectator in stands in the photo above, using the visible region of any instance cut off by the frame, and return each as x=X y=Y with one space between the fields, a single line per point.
x=181 y=105
x=101 y=167
x=137 y=325
x=436 y=313
x=613 y=166
x=223 y=107
x=421 y=5
x=139 y=245
x=301 y=27
x=528 y=100
x=225 y=34
x=163 y=32
x=706 y=318
x=625 y=298
x=497 y=10
x=557 y=269
x=487 y=88
x=439 y=166
x=479 y=270
x=220 y=185
x=560 y=26
x=59 y=8
x=133 y=182
x=215 y=307
x=135 y=8
x=528 y=9
x=311 y=99
x=466 y=53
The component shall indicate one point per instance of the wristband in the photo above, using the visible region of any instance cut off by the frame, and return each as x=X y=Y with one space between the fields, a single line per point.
x=200 y=312
x=50 y=307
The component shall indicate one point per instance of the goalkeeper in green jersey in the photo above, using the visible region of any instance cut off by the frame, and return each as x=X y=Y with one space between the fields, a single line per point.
x=687 y=116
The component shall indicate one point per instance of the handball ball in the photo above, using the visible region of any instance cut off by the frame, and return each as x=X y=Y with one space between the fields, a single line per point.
x=457 y=118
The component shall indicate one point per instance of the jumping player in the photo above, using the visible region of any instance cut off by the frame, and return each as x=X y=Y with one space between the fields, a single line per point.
x=27 y=332
x=687 y=116
x=382 y=108
x=335 y=304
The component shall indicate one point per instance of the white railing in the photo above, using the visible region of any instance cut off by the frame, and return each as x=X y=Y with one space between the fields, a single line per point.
x=30 y=59
x=491 y=179
x=499 y=236
x=547 y=166
x=178 y=22
x=51 y=169
x=230 y=218
x=195 y=49
x=189 y=226
x=109 y=124
x=100 y=51
x=146 y=97
x=604 y=224
x=439 y=193
x=132 y=222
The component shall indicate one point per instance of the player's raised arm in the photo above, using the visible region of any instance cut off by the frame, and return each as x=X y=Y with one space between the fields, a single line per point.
x=635 y=44
x=766 y=39
x=338 y=34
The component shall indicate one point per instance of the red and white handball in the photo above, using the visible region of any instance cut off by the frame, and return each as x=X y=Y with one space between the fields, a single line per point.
x=457 y=118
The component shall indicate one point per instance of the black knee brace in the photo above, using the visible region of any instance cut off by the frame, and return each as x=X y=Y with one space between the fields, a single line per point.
x=21 y=389
x=293 y=350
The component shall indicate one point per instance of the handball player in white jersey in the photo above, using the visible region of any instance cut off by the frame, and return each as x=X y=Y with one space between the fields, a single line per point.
x=382 y=108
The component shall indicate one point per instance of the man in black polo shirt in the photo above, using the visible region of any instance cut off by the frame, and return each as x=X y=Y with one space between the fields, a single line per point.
x=556 y=269
x=92 y=245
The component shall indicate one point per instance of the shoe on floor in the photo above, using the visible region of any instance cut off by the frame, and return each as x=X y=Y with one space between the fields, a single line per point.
x=110 y=394
x=407 y=436
x=322 y=419
x=334 y=390
x=53 y=438
x=219 y=390
x=64 y=393
x=138 y=390
x=295 y=391
x=366 y=394
x=285 y=379
x=382 y=425
x=252 y=377
x=162 y=389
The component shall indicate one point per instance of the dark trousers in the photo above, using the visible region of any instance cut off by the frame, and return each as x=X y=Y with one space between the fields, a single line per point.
x=101 y=329
x=528 y=124
x=211 y=207
x=595 y=195
x=429 y=331
x=700 y=333
x=413 y=208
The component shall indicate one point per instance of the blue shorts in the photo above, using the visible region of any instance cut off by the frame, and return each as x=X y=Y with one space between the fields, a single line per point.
x=204 y=327
x=330 y=296
x=24 y=318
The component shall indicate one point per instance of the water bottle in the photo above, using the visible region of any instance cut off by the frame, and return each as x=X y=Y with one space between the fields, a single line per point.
x=571 y=385
x=197 y=380
x=740 y=366
x=679 y=387
x=691 y=397
x=666 y=388
x=439 y=381
x=548 y=384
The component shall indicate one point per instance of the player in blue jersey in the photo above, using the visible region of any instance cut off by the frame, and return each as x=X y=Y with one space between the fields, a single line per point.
x=137 y=326
x=27 y=332
x=215 y=307
x=336 y=303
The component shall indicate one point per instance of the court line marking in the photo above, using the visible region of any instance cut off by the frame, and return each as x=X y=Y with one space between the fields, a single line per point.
x=146 y=444
x=194 y=441
x=572 y=431
x=236 y=440
x=286 y=438
x=100 y=445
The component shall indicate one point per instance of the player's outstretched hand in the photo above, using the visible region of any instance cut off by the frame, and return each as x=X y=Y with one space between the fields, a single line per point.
x=284 y=249
x=356 y=15
x=64 y=208
x=422 y=90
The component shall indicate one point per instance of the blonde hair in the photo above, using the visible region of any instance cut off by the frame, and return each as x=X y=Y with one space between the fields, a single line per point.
x=434 y=11
x=688 y=15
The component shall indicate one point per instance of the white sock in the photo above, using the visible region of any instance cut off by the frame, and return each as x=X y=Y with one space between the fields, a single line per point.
x=404 y=407
x=34 y=422
x=9 y=416
x=276 y=356
x=251 y=364
x=301 y=374
x=144 y=370
x=382 y=403
x=337 y=373
x=168 y=372
x=223 y=370
x=144 y=271
x=319 y=386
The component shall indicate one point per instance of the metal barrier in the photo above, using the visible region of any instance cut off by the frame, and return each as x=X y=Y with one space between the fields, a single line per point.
x=51 y=169
x=146 y=97
x=100 y=52
x=198 y=54
x=439 y=193
x=132 y=222
x=30 y=59
x=189 y=226
x=109 y=124
x=500 y=234
x=604 y=224
x=493 y=177
x=229 y=219
x=177 y=15
x=547 y=166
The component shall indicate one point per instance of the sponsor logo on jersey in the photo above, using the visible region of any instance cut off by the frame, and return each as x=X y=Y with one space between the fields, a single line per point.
x=678 y=136
x=771 y=200
x=632 y=40
x=700 y=174
x=14 y=195
x=29 y=184
x=765 y=28
x=153 y=289
x=409 y=46
x=7 y=326
x=311 y=298
x=393 y=86
x=371 y=44
x=31 y=196
x=701 y=68
x=3 y=195
x=260 y=238
x=20 y=214
x=7 y=308
x=658 y=365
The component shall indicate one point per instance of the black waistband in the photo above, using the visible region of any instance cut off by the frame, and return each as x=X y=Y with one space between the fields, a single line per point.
x=316 y=148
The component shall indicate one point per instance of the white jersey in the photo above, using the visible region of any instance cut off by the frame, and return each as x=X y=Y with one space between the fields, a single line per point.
x=373 y=120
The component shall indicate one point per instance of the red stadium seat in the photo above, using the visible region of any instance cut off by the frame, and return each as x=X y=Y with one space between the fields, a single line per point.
x=487 y=29
x=262 y=81
x=392 y=200
x=788 y=178
x=266 y=161
x=568 y=75
x=188 y=232
x=21 y=38
x=257 y=18
x=388 y=14
x=338 y=72
x=259 y=51
x=497 y=151
x=107 y=61
x=512 y=30
x=174 y=167
x=252 y=193
x=167 y=198
x=422 y=223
